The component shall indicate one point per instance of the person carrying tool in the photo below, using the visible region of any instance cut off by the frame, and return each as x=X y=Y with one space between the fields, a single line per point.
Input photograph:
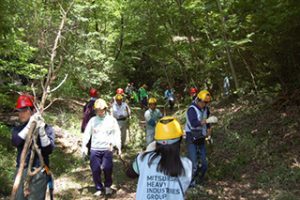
x=104 y=132
x=169 y=97
x=88 y=109
x=162 y=173
x=196 y=128
x=45 y=141
x=121 y=111
x=143 y=96
x=152 y=115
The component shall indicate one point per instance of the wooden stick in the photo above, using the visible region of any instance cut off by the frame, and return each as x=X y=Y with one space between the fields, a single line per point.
x=22 y=161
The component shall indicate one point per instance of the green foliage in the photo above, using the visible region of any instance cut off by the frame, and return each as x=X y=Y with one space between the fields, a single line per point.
x=7 y=163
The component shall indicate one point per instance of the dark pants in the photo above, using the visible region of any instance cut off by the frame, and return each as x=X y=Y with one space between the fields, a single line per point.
x=38 y=187
x=171 y=104
x=101 y=160
x=197 y=153
x=144 y=102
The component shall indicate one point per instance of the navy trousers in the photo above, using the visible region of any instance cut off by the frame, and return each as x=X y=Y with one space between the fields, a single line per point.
x=101 y=161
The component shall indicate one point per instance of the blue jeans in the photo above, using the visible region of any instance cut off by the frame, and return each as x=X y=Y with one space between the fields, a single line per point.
x=196 y=152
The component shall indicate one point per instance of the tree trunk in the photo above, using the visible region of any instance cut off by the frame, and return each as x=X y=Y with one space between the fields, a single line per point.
x=236 y=83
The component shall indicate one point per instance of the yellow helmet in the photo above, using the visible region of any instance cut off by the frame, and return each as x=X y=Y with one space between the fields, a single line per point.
x=152 y=101
x=100 y=104
x=204 y=95
x=167 y=130
x=119 y=97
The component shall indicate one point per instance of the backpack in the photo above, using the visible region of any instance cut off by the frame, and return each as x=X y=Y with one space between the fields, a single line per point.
x=88 y=113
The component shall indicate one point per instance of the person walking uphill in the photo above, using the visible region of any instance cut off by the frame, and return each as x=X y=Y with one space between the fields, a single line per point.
x=88 y=109
x=45 y=141
x=121 y=111
x=104 y=131
x=196 y=128
x=152 y=115
x=162 y=172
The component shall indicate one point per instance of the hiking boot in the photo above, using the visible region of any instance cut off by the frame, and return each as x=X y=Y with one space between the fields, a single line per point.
x=98 y=193
x=108 y=191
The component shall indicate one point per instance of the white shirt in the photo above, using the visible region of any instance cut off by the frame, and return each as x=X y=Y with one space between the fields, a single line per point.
x=156 y=185
x=105 y=133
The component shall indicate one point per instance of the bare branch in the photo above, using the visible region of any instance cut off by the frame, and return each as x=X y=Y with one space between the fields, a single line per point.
x=51 y=69
x=66 y=76
x=55 y=99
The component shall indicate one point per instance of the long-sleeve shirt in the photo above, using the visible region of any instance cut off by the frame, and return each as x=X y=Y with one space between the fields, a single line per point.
x=143 y=93
x=193 y=118
x=18 y=142
x=105 y=133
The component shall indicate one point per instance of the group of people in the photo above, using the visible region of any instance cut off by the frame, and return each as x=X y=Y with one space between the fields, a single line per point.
x=161 y=171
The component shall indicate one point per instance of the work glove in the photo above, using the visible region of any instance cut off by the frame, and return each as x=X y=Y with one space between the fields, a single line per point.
x=23 y=133
x=120 y=151
x=209 y=140
x=40 y=126
x=84 y=152
x=151 y=122
x=212 y=120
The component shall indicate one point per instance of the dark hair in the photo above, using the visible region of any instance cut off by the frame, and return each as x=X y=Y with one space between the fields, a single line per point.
x=170 y=163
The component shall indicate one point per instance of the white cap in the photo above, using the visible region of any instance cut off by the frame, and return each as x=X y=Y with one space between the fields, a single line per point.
x=100 y=104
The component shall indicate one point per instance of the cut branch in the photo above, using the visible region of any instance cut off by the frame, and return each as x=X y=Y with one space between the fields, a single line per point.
x=22 y=161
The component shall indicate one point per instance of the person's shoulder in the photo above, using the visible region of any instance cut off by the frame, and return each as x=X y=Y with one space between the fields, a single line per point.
x=17 y=128
x=186 y=161
x=110 y=118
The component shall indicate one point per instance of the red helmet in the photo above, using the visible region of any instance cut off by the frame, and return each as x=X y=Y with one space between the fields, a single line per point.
x=24 y=101
x=120 y=91
x=93 y=92
x=193 y=90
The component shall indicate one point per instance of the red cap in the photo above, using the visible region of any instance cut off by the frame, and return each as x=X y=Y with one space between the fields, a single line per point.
x=24 y=101
x=120 y=91
x=93 y=92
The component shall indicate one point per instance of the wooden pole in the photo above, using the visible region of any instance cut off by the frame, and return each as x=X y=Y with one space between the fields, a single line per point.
x=22 y=161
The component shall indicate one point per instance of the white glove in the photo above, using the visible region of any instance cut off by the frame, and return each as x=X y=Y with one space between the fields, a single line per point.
x=45 y=141
x=119 y=151
x=212 y=120
x=23 y=133
x=84 y=152
x=151 y=146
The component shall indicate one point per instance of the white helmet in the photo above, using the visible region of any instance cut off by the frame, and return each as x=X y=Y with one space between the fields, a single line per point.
x=100 y=104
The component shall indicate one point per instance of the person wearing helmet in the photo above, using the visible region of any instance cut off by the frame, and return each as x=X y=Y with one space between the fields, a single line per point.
x=193 y=93
x=152 y=115
x=121 y=111
x=162 y=173
x=143 y=96
x=88 y=109
x=104 y=132
x=45 y=141
x=120 y=91
x=169 y=97
x=196 y=129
